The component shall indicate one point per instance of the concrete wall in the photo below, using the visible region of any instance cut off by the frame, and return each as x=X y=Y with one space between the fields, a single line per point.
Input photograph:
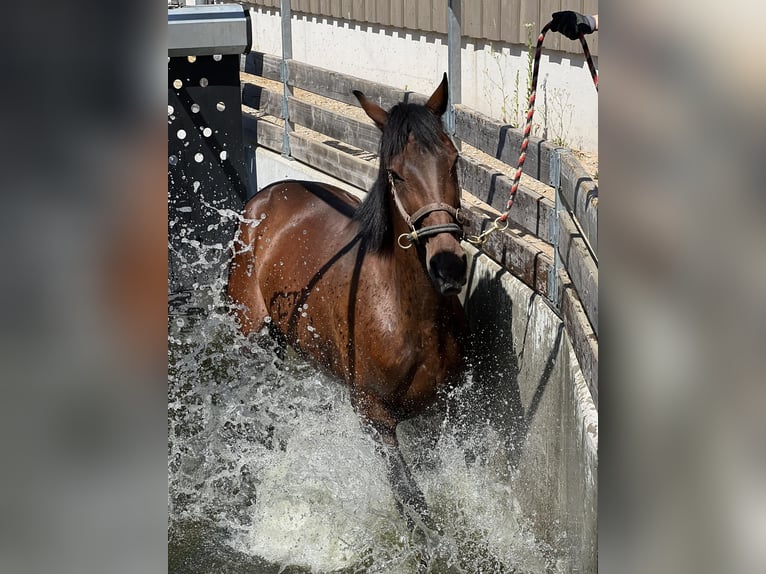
x=533 y=388
x=524 y=358
x=567 y=103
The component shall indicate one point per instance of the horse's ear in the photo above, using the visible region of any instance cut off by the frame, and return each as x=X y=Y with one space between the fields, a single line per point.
x=376 y=113
x=437 y=103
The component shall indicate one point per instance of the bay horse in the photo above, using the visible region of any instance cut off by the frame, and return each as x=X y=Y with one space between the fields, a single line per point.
x=339 y=281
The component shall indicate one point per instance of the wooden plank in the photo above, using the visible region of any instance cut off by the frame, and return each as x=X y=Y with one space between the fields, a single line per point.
x=502 y=142
x=336 y=10
x=531 y=210
x=580 y=193
x=332 y=161
x=584 y=340
x=261 y=132
x=336 y=126
x=260 y=64
x=580 y=266
x=313 y=7
x=490 y=19
x=510 y=15
x=262 y=99
x=325 y=8
x=340 y=86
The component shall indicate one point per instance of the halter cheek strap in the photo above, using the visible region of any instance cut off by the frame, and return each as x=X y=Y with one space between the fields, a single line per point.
x=406 y=240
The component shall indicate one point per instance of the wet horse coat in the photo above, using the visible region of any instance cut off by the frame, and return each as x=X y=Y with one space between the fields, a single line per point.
x=368 y=290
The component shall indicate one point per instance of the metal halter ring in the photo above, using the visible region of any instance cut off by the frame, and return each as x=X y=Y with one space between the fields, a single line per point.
x=410 y=239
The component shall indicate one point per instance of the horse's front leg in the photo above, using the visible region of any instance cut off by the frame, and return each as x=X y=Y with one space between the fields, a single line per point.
x=381 y=423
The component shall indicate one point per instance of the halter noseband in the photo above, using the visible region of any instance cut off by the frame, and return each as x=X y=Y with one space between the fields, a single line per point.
x=406 y=240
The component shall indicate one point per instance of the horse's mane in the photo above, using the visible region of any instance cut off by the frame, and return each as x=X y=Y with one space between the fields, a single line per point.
x=373 y=214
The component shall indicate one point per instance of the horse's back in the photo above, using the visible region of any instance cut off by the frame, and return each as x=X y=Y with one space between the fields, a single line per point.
x=293 y=196
x=289 y=230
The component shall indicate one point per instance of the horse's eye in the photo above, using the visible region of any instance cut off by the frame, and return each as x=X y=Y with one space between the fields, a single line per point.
x=395 y=176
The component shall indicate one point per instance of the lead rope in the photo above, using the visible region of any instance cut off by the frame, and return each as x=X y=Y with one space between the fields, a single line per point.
x=501 y=223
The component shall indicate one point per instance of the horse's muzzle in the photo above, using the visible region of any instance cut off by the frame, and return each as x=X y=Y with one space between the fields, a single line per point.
x=448 y=271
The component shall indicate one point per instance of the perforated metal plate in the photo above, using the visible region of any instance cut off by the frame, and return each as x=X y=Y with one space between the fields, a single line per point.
x=206 y=166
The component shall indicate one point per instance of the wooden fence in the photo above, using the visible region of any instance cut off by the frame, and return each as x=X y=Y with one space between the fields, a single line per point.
x=489 y=20
x=526 y=249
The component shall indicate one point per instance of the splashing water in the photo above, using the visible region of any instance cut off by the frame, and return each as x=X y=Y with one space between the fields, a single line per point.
x=270 y=470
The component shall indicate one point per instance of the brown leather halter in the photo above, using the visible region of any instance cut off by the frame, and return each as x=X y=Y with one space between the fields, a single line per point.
x=406 y=240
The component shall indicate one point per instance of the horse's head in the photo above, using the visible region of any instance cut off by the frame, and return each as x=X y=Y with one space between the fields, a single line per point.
x=419 y=163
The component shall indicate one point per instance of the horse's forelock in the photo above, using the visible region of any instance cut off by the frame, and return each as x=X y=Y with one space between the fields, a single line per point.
x=403 y=120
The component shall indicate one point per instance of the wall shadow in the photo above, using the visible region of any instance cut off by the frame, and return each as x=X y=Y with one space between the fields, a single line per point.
x=494 y=359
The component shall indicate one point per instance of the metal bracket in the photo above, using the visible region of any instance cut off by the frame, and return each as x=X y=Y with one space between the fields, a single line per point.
x=554 y=179
x=206 y=30
x=287 y=54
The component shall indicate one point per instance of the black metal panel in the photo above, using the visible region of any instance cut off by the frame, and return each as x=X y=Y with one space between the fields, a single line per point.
x=206 y=167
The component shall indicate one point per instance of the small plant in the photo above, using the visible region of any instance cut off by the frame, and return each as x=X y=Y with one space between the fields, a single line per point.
x=498 y=84
x=561 y=112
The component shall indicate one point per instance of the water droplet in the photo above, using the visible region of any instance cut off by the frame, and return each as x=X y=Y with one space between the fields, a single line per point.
x=185 y=209
x=191 y=59
x=178 y=84
x=181 y=134
x=198 y=157
x=223 y=155
x=217 y=57
x=305 y=315
x=267 y=320
x=172 y=160
x=203 y=82
x=195 y=108
x=220 y=106
x=207 y=132
x=170 y=110
x=310 y=328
